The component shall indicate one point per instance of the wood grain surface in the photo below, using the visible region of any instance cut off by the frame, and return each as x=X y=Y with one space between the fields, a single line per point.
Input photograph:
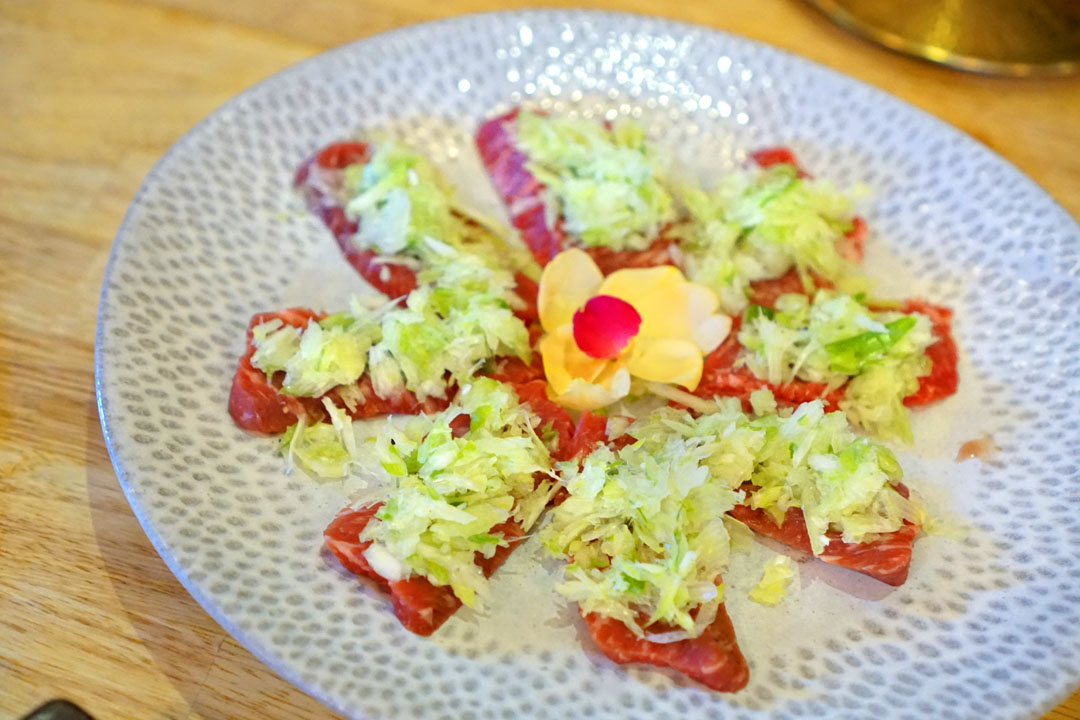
x=92 y=92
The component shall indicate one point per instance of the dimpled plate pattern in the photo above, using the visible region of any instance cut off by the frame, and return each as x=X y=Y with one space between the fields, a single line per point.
x=989 y=623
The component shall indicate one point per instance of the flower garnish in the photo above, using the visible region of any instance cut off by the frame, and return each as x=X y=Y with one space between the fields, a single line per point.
x=649 y=323
x=605 y=326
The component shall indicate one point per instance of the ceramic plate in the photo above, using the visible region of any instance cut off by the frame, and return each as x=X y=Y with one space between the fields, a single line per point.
x=987 y=626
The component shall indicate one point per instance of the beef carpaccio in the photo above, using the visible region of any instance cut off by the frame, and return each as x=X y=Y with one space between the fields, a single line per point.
x=720 y=435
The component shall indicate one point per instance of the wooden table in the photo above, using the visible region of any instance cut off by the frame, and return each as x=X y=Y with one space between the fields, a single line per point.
x=92 y=93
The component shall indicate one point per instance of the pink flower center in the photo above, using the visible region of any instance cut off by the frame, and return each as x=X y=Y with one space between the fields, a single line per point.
x=605 y=326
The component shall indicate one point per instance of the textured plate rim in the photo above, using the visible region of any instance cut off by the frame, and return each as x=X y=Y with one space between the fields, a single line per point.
x=281 y=665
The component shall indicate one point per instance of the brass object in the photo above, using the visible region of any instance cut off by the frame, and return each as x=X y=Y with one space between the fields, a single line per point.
x=997 y=37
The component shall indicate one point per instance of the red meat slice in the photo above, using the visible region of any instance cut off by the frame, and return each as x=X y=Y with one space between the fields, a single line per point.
x=522 y=194
x=256 y=402
x=513 y=371
x=590 y=431
x=534 y=394
x=713 y=658
x=851 y=246
x=767 y=292
x=340 y=155
x=460 y=425
x=421 y=606
x=779 y=155
x=943 y=378
x=319 y=180
x=720 y=377
x=609 y=260
x=519 y=189
x=527 y=289
x=887 y=558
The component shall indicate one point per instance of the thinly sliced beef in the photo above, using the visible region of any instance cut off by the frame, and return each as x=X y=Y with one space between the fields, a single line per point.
x=721 y=377
x=590 y=431
x=421 y=606
x=551 y=414
x=886 y=558
x=713 y=658
x=256 y=402
x=320 y=181
x=767 y=292
x=943 y=378
x=513 y=371
x=523 y=195
x=779 y=155
x=851 y=245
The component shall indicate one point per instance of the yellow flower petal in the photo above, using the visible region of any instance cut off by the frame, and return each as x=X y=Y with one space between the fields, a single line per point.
x=670 y=307
x=700 y=303
x=581 y=395
x=666 y=360
x=579 y=381
x=711 y=332
x=568 y=281
x=564 y=361
x=612 y=374
x=658 y=296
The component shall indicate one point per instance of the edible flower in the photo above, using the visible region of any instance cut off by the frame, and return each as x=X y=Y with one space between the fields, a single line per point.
x=647 y=323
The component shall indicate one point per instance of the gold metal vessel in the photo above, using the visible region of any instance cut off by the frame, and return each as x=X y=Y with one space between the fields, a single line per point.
x=999 y=37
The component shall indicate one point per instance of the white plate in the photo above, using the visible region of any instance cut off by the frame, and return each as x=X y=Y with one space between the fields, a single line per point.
x=985 y=627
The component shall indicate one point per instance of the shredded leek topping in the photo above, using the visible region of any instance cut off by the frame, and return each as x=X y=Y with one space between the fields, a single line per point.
x=644 y=525
x=458 y=318
x=602 y=180
x=835 y=338
x=324 y=450
x=759 y=224
x=775 y=579
x=644 y=528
